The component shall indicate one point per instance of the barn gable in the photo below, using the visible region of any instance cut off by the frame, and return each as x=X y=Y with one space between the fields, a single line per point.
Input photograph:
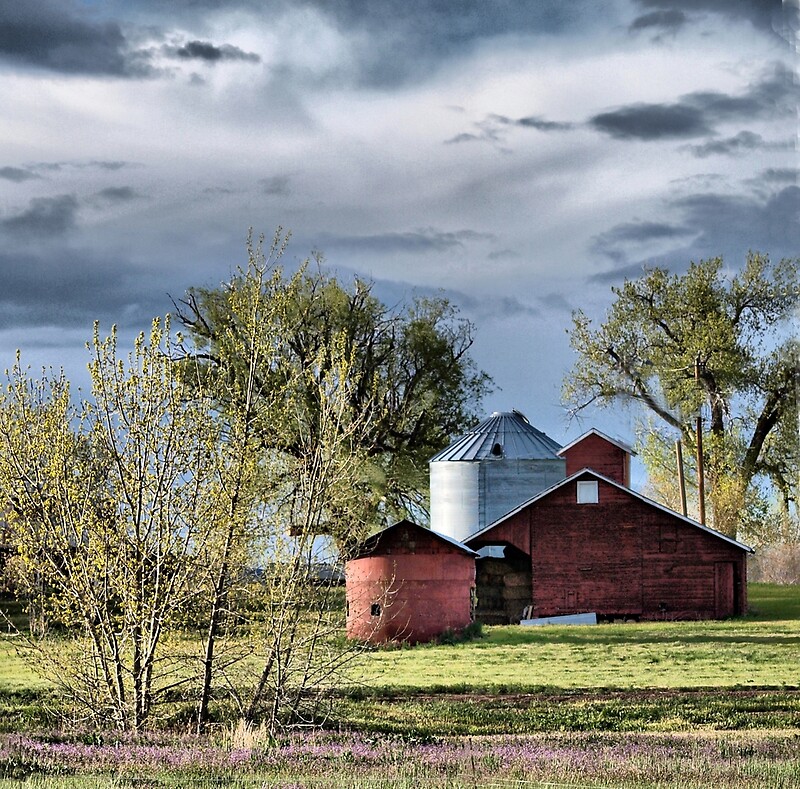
x=594 y=545
x=408 y=537
x=597 y=451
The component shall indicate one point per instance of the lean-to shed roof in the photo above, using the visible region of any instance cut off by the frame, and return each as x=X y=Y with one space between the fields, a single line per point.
x=505 y=434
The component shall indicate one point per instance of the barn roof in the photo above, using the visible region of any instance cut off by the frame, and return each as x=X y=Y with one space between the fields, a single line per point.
x=505 y=434
x=372 y=543
x=594 y=431
x=590 y=472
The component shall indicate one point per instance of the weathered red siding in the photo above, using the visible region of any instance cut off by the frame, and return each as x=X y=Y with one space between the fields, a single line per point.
x=622 y=557
x=411 y=587
x=602 y=456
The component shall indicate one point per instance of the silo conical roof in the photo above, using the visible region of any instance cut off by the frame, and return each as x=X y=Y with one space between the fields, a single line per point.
x=505 y=434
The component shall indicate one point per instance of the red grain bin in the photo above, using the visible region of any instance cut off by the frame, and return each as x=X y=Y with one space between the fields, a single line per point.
x=408 y=583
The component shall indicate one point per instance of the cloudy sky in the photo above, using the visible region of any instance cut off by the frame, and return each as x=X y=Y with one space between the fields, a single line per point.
x=523 y=157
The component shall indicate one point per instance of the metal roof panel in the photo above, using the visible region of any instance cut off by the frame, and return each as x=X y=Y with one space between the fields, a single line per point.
x=504 y=435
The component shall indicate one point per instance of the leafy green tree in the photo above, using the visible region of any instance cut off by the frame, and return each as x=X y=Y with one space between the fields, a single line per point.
x=414 y=383
x=275 y=501
x=705 y=342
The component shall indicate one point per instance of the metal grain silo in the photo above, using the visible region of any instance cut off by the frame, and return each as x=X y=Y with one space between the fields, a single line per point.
x=498 y=465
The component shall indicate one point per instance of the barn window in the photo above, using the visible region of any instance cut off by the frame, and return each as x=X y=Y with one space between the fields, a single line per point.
x=375 y=609
x=587 y=492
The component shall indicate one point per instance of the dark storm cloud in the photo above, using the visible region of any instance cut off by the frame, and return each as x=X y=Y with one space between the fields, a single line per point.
x=118 y=194
x=77 y=291
x=696 y=114
x=219 y=190
x=503 y=254
x=779 y=175
x=666 y=21
x=17 y=174
x=741 y=143
x=106 y=165
x=401 y=42
x=425 y=240
x=211 y=53
x=277 y=185
x=489 y=308
x=616 y=275
x=739 y=223
x=726 y=225
x=393 y=43
x=652 y=122
x=642 y=231
x=493 y=128
x=51 y=35
x=465 y=137
x=557 y=303
x=533 y=122
x=612 y=243
x=760 y=13
x=45 y=217
x=91 y=164
x=509 y=306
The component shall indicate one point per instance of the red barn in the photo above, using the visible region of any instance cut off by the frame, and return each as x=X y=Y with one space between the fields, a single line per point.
x=408 y=583
x=591 y=544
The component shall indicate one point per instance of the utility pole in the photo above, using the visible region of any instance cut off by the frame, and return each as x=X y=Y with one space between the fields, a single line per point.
x=701 y=484
x=681 y=476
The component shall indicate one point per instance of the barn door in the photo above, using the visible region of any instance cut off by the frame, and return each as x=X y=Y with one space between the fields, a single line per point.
x=723 y=590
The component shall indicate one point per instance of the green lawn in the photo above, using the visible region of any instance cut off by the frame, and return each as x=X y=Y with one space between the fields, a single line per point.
x=635 y=706
x=658 y=676
x=760 y=650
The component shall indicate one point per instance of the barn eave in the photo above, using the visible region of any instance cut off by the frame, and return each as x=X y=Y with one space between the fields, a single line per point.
x=595 y=432
x=372 y=543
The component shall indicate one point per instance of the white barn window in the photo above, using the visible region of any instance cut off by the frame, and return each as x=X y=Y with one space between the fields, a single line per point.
x=587 y=492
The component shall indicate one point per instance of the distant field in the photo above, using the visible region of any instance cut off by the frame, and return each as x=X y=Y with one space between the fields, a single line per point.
x=658 y=676
x=759 y=650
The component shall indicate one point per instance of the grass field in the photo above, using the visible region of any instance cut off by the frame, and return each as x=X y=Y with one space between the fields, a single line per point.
x=634 y=706
x=760 y=650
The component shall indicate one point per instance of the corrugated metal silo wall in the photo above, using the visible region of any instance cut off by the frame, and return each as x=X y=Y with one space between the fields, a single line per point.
x=505 y=484
x=455 y=489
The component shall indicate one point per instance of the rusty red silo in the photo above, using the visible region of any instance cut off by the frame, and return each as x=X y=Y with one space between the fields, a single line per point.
x=408 y=583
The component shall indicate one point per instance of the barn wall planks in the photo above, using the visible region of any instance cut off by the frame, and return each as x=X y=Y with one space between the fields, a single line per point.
x=621 y=557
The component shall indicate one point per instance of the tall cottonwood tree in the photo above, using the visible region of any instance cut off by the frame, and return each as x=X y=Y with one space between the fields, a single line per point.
x=281 y=498
x=413 y=377
x=704 y=342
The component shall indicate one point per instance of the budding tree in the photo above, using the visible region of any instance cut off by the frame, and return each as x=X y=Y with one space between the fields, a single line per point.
x=111 y=502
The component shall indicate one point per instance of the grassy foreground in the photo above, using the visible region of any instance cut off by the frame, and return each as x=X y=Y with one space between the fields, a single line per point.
x=328 y=760
x=635 y=706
